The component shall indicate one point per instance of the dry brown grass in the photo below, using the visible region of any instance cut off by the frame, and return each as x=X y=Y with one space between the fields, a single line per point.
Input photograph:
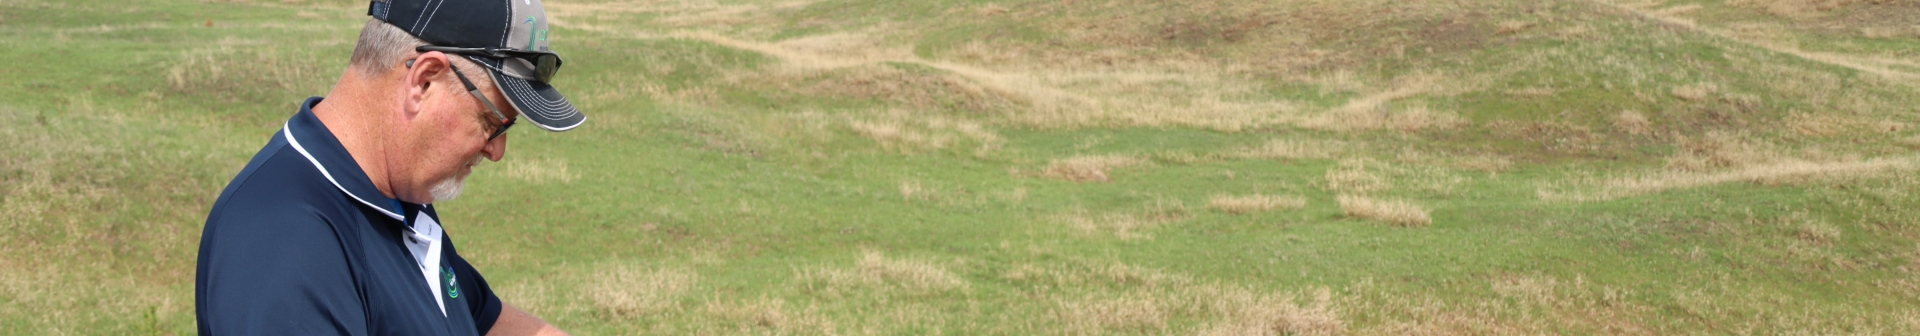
x=993 y=9
x=1137 y=314
x=1250 y=314
x=1839 y=124
x=1512 y=26
x=1357 y=176
x=1124 y=226
x=233 y=69
x=678 y=14
x=1241 y=204
x=1890 y=32
x=914 y=191
x=1534 y=92
x=1776 y=173
x=905 y=131
x=1774 y=40
x=1485 y=163
x=1102 y=298
x=1517 y=305
x=1221 y=109
x=1407 y=119
x=894 y=134
x=1632 y=122
x=1088 y=168
x=1127 y=83
x=874 y=271
x=1140 y=300
x=1291 y=149
x=912 y=274
x=1817 y=233
x=1678 y=10
x=1799 y=8
x=1398 y=213
x=699 y=96
x=625 y=292
x=537 y=170
x=768 y=316
x=1696 y=92
x=1048 y=97
x=1721 y=150
x=1378 y=111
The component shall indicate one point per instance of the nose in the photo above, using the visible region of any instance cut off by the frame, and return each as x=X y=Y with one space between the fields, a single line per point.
x=496 y=149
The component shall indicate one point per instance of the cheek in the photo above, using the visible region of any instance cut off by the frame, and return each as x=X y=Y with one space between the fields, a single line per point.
x=454 y=140
x=432 y=143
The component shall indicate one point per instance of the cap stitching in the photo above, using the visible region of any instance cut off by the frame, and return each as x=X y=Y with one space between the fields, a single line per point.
x=551 y=115
x=555 y=109
x=418 y=18
x=436 y=11
x=551 y=109
x=507 y=29
x=543 y=100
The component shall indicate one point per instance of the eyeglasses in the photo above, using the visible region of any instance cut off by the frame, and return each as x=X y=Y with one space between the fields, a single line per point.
x=545 y=63
x=507 y=123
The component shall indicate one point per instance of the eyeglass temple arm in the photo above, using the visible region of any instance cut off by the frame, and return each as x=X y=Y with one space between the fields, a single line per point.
x=476 y=93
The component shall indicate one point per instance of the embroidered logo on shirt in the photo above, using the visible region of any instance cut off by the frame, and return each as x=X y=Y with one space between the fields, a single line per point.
x=453 y=285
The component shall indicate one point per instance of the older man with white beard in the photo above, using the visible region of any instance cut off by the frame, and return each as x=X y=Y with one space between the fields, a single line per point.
x=331 y=228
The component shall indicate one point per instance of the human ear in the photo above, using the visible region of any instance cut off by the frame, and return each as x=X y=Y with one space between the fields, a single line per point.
x=419 y=82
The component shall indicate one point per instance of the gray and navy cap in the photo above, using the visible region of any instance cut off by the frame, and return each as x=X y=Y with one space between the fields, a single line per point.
x=503 y=24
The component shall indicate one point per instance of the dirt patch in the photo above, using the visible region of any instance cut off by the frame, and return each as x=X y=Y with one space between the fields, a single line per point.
x=1876 y=19
x=1463 y=31
x=1811 y=9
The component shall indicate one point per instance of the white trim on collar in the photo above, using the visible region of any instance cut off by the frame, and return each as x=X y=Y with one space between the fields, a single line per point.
x=287 y=130
x=425 y=246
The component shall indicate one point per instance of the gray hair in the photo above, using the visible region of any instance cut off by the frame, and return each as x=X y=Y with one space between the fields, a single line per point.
x=382 y=47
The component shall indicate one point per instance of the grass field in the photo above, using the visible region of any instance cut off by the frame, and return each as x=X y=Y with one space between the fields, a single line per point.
x=1081 y=167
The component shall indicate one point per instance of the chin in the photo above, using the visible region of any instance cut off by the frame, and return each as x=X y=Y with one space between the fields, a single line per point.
x=447 y=190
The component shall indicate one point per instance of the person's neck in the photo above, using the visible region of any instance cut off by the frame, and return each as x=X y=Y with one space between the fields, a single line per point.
x=353 y=111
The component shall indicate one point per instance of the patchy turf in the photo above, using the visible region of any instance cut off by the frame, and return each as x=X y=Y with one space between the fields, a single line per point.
x=1049 y=167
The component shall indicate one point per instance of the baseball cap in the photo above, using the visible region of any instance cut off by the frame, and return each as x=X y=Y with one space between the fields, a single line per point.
x=501 y=24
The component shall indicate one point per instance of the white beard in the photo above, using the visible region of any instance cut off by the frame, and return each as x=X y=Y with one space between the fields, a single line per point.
x=449 y=189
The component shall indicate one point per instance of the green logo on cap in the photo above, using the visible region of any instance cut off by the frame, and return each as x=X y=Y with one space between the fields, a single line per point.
x=533 y=32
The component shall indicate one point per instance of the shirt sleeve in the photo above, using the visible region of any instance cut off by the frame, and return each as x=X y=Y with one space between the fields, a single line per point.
x=481 y=301
x=274 y=271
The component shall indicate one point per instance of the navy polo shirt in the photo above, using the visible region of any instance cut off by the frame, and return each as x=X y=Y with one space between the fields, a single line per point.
x=301 y=243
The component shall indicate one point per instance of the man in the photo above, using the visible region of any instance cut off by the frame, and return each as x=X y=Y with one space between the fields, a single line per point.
x=330 y=229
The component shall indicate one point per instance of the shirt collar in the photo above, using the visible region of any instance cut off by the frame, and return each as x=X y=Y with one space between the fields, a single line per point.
x=312 y=139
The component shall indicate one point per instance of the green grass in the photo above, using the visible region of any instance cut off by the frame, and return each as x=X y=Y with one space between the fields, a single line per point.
x=726 y=190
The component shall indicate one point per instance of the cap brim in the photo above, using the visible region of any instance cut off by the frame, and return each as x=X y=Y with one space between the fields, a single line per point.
x=537 y=102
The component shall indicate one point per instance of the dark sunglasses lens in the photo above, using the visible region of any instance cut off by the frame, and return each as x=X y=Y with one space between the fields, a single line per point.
x=547 y=66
